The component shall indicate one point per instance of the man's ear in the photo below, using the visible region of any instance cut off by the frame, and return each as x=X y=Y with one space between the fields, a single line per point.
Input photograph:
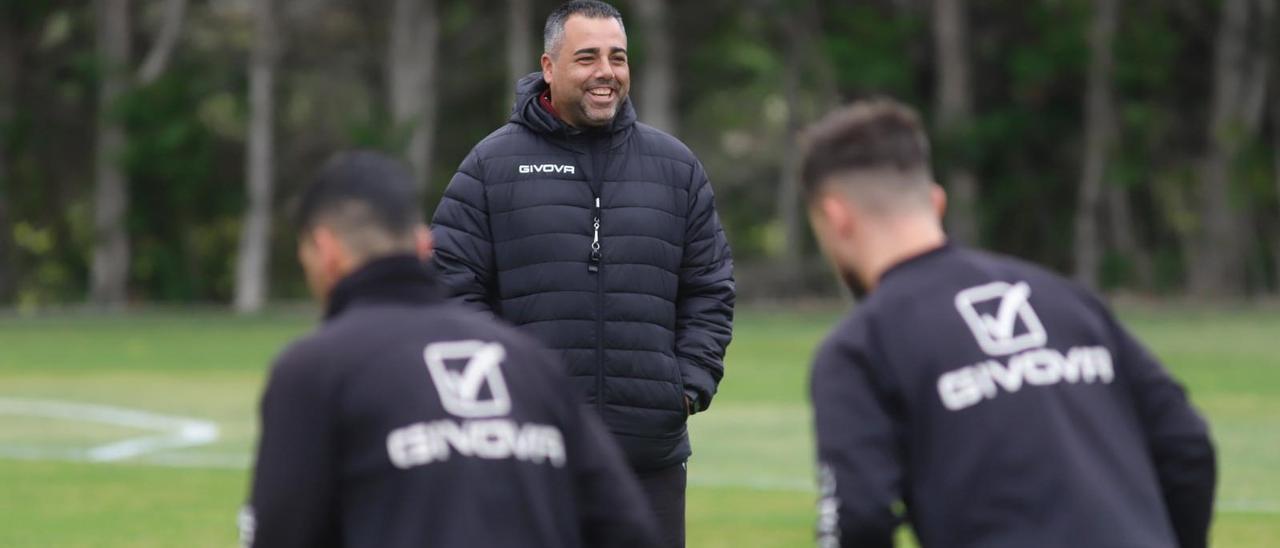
x=424 y=242
x=546 y=68
x=332 y=252
x=839 y=213
x=939 y=199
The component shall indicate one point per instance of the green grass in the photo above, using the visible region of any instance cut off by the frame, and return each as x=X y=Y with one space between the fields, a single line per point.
x=750 y=478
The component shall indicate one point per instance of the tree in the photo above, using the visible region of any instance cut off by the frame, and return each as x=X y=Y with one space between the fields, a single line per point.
x=1216 y=259
x=8 y=97
x=800 y=22
x=1275 y=252
x=255 y=235
x=110 y=268
x=954 y=111
x=1271 y=42
x=1099 y=135
x=411 y=73
x=111 y=239
x=658 y=82
x=1123 y=230
x=520 y=57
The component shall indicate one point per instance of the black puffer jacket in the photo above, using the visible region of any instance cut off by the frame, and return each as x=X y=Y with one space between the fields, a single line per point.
x=639 y=323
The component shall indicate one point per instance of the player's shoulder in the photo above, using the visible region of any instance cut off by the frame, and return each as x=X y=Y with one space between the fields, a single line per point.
x=1048 y=284
x=848 y=339
x=306 y=361
x=953 y=268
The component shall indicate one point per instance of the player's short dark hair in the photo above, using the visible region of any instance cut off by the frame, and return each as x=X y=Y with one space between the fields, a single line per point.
x=879 y=135
x=553 y=31
x=364 y=196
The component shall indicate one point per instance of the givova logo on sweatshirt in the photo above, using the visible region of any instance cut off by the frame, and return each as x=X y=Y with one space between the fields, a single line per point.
x=468 y=378
x=1003 y=322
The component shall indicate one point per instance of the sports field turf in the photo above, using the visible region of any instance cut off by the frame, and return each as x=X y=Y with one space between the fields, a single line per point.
x=750 y=477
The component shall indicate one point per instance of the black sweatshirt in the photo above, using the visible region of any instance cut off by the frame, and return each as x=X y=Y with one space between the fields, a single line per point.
x=405 y=421
x=1002 y=406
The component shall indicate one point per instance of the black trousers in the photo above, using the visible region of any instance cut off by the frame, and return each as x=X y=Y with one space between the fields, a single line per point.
x=665 y=489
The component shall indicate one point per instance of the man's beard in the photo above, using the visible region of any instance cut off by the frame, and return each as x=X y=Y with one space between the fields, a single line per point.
x=851 y=281
x=601 y=117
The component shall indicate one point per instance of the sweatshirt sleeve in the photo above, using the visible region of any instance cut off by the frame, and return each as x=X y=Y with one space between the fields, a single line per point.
x=463 y=241
x=1177 y=437
x=860 y=461
x=293 y=500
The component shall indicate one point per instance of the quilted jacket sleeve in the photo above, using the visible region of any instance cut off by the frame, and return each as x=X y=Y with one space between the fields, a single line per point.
x=704 y=307
x=463 y=240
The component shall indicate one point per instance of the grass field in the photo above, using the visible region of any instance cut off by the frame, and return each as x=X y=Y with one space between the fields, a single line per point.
x=750 y=477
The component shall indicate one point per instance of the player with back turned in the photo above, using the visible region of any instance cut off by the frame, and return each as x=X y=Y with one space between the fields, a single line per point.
x=984 y=400
x=406 y=421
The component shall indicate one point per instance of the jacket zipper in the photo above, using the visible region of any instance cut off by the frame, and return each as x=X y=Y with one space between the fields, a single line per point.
x=594 y=268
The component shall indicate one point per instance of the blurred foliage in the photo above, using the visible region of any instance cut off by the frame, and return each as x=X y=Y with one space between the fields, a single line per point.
x=186 y=131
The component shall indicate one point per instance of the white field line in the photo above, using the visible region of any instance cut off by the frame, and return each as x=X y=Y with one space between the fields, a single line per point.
x=182 y=432
x=173 y=432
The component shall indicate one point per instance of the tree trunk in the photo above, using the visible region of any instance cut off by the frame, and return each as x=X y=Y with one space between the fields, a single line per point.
x=166 y=42
x=520 y=56
x=1124 y=235
x=658 y=83
x=411 y=69
x=1271 y=42
x=788 y=196
x=824 y=72
x=252 y=266
x=110 y=268
x=1275 y=253
x=1216 y=261
x=955 y=112
x=8 y=100
x=1099 y=133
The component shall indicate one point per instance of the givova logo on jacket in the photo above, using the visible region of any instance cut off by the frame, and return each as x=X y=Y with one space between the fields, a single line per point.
x=468 y=379
x=999 y=334
x=547 y=168
x=462 y=371
x=1000 y=316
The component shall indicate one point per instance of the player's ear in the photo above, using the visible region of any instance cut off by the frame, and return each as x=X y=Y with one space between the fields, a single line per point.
x=939 y=199
x=332 y=254
x=424 y=242
x=306 y=247
x=839 y=216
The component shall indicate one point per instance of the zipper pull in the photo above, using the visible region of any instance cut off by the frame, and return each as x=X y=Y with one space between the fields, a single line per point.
x=594 y=266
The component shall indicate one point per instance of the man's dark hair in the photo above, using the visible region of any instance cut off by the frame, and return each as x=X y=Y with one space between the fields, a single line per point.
x=368 y=198
x=553 y=32
x=879 y=137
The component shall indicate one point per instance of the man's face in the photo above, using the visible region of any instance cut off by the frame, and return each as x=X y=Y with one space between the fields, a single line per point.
x=588 y=74
x=321 y=257
x=831 y=220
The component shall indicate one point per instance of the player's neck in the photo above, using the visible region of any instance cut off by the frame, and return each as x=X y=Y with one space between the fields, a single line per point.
x=896 y=241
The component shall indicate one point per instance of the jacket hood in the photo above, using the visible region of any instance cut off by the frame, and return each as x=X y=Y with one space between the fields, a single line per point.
x=529 y=113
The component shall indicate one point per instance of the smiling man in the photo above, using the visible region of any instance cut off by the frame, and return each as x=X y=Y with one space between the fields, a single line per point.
x=598 y=235
x=984 y=400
